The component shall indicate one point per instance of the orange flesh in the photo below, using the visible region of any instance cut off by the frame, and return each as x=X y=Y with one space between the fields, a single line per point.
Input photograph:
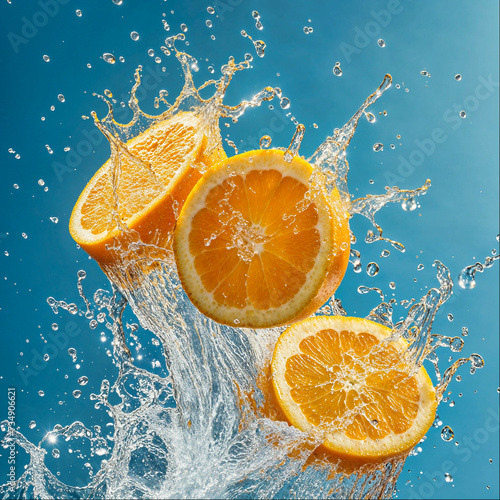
x=258 y=229
x=172 y=143
x=329 y=383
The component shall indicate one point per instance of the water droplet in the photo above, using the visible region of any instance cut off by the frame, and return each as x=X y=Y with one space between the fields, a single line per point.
x=409 y=205
x=151 y=52
x=122 y=59
x=32 y=424
x=55 y=220
x=370 y=117
x=77 y=393
x=308 y=29
x=41 y=182
x=385 y=253
x=450 y=317
x=393 y=146
x=463 y=114
x=56 y=453
x=407 y=90
x=437 y=422
x=210 y=10
x=211 y=69
x=24 y=235
x=285 y=103
x=72 y=353
x=392 y=285
x=208 y=23
x=46 y=357
x=109 y=58
x=448 y=477
x=41 y=394
x=260 y=47
x=425 y=73
x=78 y=12
x=158 y=60
x=420 y=267
x=184 y=28
x=476 y=362
x=83 y=380
x=117 y=2
x=265 y=142
x=458 y=77
x=49 y=149
x=381 y=43
x=378 y=147
x=337 y=70
x=447 y=433
x=465 y=331
x=372 y=269
x=55 y=326
x=46 y=58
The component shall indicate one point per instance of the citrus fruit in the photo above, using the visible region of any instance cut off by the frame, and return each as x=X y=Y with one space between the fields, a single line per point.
x=341 y=377
x=257 y=245
x=152 y=183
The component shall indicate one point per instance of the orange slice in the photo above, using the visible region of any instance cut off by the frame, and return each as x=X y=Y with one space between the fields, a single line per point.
x=340 y=377
x=256 y=245
x=150 y=191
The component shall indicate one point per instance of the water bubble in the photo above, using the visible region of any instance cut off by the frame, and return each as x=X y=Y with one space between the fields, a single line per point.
x=151 y=52
x=32 y=424
x=463 y=114
x=409 y=205
x=378 y=147
x=337 y=70
x=158 y=61
x=78 y=12
x=208 y=23
x=77 y=393
x=458 y=77
x=372 y=269
x=46 y=357
x=55 y=326
x=392 y=285
x=109 y=58
x=122 y=59
x=41 y=394
x=61 y=98
x=56 y=453
x=450 y=317
x=393 y=146
x=447 y=433
x=134 y=35
x=465 y=331
x=265 y=142
x=46 y=58
x=210 y=10
x=448 y=477
x=385 y=253
x=83 y=380
x=425 y=73
x=184 y=28
x=381 y=43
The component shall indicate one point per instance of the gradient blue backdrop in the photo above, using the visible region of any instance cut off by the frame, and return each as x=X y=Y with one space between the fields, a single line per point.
x=456 y=222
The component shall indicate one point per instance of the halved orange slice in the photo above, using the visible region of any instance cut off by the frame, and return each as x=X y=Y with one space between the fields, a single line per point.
x=257 y=244
x=150 y=191
x=342 y=378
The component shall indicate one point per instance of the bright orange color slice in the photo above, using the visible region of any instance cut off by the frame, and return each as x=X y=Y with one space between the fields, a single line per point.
x=340 y=376
x=150 y=194
x=256 y=245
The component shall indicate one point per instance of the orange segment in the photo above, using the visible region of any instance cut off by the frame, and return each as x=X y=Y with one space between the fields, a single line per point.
x=151 y=185
x=254 y=247
x=341 y=377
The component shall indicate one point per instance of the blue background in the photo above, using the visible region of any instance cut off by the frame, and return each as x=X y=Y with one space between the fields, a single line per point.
x=456 y=222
